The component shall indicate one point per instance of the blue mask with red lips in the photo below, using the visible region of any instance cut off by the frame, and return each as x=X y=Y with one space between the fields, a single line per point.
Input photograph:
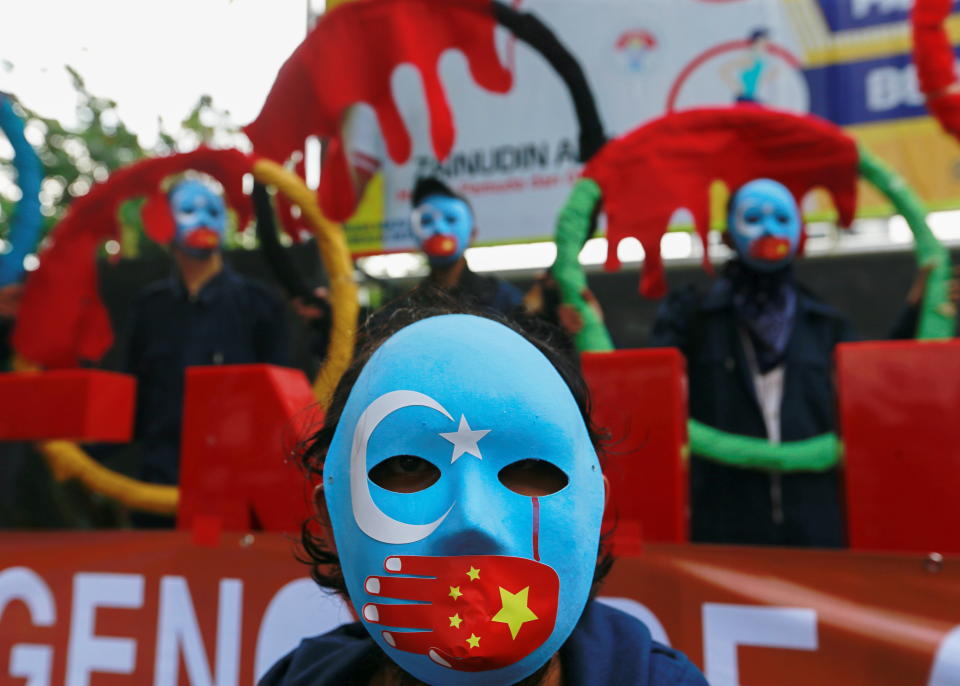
x=764 y=223
x=442 y=226
x=465 y=499
x=200 y=218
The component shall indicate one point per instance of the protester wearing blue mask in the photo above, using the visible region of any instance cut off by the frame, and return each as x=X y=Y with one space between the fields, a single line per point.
x=444 y=226
x=460 y=512
x=204 y=313
x=764 y=227
x=200 y=217
x=759 y=351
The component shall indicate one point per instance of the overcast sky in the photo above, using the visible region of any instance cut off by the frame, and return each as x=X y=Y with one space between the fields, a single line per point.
x=153 y=58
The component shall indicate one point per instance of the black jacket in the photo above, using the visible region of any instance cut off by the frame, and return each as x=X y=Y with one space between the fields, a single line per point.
x=232 y=320
x=733 y=505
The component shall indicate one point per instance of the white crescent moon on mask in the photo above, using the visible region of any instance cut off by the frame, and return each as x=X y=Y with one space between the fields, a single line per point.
x=371 y=519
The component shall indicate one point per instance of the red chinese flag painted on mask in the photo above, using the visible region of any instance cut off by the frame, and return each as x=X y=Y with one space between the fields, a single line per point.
x=474 y=613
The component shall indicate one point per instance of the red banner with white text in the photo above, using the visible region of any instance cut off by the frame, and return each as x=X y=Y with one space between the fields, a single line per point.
x=115 y=608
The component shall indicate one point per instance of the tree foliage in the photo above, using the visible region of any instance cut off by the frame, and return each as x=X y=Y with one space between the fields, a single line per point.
x=76 y=156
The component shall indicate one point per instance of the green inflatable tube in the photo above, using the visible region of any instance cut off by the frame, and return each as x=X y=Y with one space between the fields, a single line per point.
x=937 y=314
x=816 y=454
x=573 y=227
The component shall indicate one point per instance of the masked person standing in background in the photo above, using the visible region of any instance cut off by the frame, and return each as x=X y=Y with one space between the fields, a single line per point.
x=204 y=313
x=444 y=226
x=759 y=350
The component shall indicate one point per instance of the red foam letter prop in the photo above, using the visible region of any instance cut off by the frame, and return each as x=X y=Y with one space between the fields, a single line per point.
x=639 y=396
x=68 y=404
x=898 y=406
x=241 y=425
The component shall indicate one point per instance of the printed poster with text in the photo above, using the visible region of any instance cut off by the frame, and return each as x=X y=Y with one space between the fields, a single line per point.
x=515 y=154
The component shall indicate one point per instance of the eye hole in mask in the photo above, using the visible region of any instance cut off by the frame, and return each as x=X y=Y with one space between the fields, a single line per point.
x=533 y=478
x=404 y=474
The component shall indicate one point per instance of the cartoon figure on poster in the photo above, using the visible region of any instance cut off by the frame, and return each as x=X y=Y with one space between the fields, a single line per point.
x=748 y=75
x=753 y=70
x=636 y=45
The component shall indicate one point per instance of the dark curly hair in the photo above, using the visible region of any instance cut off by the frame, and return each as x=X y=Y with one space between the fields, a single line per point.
x=422 y=303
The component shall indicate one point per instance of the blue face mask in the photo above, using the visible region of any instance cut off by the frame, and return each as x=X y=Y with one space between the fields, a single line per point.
x=200 y=217
x=457 y=574
x=442 y=226
x=765 y=224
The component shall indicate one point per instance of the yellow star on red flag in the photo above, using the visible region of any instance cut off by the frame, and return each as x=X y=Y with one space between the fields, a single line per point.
x=474 y=640
x=473 y=573
x=514 y=612
x=455 y=592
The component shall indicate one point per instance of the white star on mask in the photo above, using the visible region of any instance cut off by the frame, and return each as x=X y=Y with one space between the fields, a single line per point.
x=465 y=440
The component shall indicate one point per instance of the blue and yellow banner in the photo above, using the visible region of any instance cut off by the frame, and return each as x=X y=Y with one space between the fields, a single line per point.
x=515 y=155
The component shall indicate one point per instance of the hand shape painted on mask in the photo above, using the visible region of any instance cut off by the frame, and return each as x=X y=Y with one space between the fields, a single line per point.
x=443 y=227
x=468 y=535
x=200 y=217
x=474 y=613
x=765 y=224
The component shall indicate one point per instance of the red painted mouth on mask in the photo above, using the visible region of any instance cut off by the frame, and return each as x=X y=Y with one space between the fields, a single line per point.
x=440 y=245
x=476 y=612
x=770 y=248
x=203 y=238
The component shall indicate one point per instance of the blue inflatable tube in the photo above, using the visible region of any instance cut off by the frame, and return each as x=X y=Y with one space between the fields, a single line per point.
x=24 y=232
